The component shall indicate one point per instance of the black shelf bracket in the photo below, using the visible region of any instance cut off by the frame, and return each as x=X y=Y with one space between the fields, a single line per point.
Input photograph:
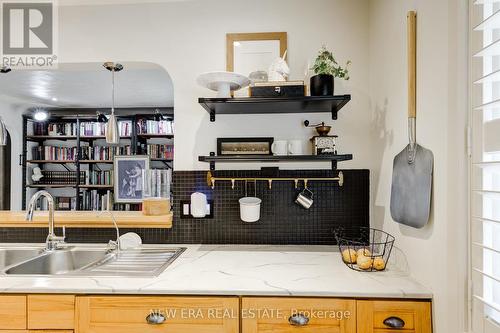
x=212 y=163
x=334 y=165
x=335 y=114
x=212 y=116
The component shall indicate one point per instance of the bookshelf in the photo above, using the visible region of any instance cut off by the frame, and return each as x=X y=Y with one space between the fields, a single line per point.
x=71 y=151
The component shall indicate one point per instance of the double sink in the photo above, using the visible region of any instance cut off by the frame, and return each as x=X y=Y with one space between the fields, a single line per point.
x=85 y=260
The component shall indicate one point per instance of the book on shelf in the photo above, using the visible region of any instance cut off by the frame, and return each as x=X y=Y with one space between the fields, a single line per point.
x=60 y=178
x=99 y=129
x=55 y=129
x=94 y=200
x=163 y=151
x=152 y=127
x=52 y=153
x=102 y=177
x=278 y=83
x=104 y=153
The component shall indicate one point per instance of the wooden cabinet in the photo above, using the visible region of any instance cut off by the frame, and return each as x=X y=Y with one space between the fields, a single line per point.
x=12 y=312
x=54 y=312
x=304 y=315
x=177 y=314
x=376 y=316
x=131 y=314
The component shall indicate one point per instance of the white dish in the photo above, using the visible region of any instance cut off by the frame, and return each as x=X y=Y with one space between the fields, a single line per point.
x=223 y=82
x=130 y=240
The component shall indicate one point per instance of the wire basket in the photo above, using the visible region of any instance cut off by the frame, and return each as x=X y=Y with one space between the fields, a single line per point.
x=364 y=249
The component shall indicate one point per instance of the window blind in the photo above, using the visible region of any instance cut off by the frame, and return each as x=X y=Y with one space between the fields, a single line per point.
x=485 y=166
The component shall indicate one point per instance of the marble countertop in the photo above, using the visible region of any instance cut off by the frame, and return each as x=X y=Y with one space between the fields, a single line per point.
x=243 y=270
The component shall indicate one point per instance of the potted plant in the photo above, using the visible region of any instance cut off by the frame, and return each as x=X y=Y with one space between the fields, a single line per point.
x=326 y=68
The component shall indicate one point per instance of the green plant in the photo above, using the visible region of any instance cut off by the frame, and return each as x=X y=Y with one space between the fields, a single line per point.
x=325 y=63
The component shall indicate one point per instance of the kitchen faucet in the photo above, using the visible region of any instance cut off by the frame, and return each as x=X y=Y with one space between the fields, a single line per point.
x=52 y=240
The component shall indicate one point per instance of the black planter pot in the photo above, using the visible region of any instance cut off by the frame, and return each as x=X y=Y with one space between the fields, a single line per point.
x=321 y=85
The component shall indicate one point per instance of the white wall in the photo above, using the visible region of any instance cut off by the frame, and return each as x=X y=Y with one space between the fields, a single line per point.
x=188 y=38
x=437 y=252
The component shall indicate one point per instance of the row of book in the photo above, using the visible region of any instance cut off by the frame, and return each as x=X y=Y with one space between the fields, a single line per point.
x=92 y=200
x=103 y=153
x=99 y=129
x=102 y=177
x=52 y=153
x=147 y=126
x=88 y=129
x=165 y=151
x=60 y=178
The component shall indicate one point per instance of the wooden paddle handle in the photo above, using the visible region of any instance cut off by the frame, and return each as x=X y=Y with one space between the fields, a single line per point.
x=412 y=64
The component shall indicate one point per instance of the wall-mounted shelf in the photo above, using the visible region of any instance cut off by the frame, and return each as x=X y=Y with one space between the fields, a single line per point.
x=212 y=159
x=260 y=105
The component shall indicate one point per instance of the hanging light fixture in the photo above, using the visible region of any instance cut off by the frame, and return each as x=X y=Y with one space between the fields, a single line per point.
x=112 y=132
x=3 y=133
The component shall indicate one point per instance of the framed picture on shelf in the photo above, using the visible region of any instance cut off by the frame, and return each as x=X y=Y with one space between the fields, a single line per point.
x=128 y=171
x=244 y=146
x=253 y=53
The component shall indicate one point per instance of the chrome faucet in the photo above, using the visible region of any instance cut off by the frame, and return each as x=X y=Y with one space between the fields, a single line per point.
x=52 y=240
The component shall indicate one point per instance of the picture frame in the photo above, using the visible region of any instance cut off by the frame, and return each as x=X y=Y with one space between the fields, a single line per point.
x=127 y=177
x=244 y=146
x=248 y=52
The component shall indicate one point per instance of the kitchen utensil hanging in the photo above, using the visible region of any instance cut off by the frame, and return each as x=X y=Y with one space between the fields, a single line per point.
x=412 y=167
x=211 y=180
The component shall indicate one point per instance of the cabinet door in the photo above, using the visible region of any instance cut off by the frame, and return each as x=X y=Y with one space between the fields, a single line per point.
x=12 y=312
x=304 y=315
x=390 y=316
x=137 y=314
x=51 y=312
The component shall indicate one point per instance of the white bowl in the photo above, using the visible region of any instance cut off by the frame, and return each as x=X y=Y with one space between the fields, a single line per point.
x=223 y=82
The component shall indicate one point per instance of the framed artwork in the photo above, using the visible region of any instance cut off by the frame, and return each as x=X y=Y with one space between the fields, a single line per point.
x=244 y=146
x=128 y=173
x=253 y=52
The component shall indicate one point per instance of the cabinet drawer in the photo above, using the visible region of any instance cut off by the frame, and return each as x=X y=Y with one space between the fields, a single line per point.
x=129 y=314
x=12 y=312
x=409 y=316
x=281 y=315
x=51 y=312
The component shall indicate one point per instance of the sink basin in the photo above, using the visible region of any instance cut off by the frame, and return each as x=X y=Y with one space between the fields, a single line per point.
x=89 y=261
x=58 y=262
x=11 y=256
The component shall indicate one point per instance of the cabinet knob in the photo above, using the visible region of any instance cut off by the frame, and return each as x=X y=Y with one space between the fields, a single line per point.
x=298 y=319
x=155 y=318
x=394 y=322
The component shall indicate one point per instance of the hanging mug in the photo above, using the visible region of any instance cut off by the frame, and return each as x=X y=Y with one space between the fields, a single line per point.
x=305 y=198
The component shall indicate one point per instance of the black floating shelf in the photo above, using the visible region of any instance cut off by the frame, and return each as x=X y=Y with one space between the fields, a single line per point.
x=262 y=105
x=274 y=158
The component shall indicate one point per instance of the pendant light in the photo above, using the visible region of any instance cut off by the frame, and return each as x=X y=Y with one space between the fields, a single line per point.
x=112 y=132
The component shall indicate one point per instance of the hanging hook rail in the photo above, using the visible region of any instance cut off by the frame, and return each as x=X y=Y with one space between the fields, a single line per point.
x=211 y=179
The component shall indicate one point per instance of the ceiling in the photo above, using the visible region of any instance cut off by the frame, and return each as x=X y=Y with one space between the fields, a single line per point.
x=88 y=85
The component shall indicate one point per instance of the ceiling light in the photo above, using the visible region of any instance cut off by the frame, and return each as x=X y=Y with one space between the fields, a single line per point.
x=40 y=115
x=3 y=133
x=54 y=99
x=112 y=133
x=5 y=69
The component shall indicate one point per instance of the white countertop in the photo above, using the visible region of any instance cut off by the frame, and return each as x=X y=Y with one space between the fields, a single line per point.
x=243 y=270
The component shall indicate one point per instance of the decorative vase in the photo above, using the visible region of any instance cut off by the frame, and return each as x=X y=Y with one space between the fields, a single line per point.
x=321 y=85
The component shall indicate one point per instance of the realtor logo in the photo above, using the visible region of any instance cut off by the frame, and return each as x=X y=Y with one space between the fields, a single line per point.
x=28 y=30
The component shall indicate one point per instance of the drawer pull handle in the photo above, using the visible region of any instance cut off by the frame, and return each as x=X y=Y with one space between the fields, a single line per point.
x=298 y=319
x=155 y=318
x=394 y=322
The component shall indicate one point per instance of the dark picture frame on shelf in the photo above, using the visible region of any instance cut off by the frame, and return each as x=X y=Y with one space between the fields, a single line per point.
x=128 y=173
x=244 y=146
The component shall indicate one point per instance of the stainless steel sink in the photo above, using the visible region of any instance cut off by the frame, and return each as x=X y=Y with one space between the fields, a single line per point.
x=89 y=261
x=58 y=262
x=10 y=256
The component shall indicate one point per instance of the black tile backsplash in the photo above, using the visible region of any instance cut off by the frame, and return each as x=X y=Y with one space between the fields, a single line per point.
x=282 y=221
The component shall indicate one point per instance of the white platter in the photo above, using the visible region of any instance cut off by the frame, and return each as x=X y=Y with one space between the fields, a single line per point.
x=223 y=82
